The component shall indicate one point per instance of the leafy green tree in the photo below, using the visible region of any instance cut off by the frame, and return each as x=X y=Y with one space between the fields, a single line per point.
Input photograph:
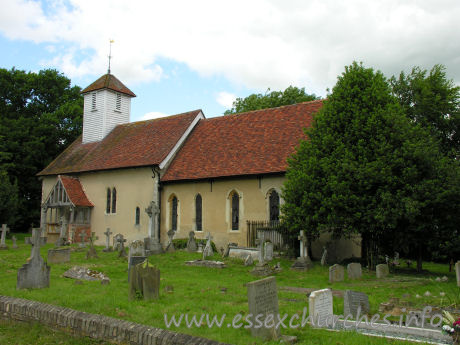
x=8 y=199
x=40 y=114
x=365 y=168
x=291 y=95
x=433 y=101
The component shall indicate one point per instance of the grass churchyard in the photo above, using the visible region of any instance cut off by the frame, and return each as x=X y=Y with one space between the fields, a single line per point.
x=201 y=290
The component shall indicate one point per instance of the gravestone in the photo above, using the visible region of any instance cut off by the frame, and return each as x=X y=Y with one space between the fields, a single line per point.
x=263 y=300
x=58 y=255
x=249 y=261
x=261 y=268
x=324 y=257
x=457 y=270
x=136 y=248
x=92 y=253
x=191 y=243
x=208 y=248
x=303 y=262
x=133 y=261
x=354 y=300
x=336 y=273
x=268 y=251
x=83 y=236
x=200 y=247
x=35 y=274
x=5 y=229
x=107 y=234
x=62 y=240
x=15 y=245
x=84 y=273
x=170 y=247
x=354 y=270
x=320 y=306
x=144 y=281
x=152 y=242
x=381 y=271
x=120 y=245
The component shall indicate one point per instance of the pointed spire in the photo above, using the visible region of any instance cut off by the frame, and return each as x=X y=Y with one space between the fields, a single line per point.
x=110 y=54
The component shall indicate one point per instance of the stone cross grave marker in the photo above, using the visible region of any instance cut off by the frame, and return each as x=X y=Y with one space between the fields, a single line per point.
x=268 y=251
x=191 y=243
x=303 y=262
x=208 y=248
x=154 y=245
x=120 y=245
x=354 y=270
x=320 y=307
x=62 y=240
x=260 y=246
x=354 y=300
x=92 y=253
x=170 y=247
x=107 y=234
x=457 y=270
x=35 y=274
x=14 y=239
x=381 y=271
x=336 y=273
x=263 y=300
x=5 y=229
x=324 y=257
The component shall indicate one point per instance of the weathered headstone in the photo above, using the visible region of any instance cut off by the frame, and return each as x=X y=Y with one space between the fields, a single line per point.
x=84 y=273
x=261 y=268
x=354 y=300
x=336 y=273
x=208 y=248
x=249 y=261
x=152 y=242
x=136 y=248
x=120 y=245
x=354 y=270
x=268 y=251
x=263 y=301
x=92 y=253
x=5 y=229
x=62 y=240
x=107 y=234
x=144 y=281
x=15 y=245
x=457 y=270
x=133 y=261
x=324 y=257
x=58 y=255
x=170 y=247
x=303 y=262
x=191 y=243
x=320 y=306
x=35 y=274
x=381 y=271
x=82 y=239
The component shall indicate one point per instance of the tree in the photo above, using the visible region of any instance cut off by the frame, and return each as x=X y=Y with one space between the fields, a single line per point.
x=365 y=168
x=433 y=101
x=8 y=199
x=291 y=95
x=40 y=114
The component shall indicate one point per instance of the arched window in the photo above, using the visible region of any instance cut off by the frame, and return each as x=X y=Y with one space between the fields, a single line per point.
x=138 y=216
x=198 y=213
x=274 y=202
x=174 y=213
x=109 y=194
x=114 y=200
x=235 y=211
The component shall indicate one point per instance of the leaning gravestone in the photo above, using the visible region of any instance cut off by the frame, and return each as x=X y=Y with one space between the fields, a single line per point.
x=207 y=251
x=268 y=251
x=381 y=271
x=354 y=271
x=354 y=300
x=320 y=307
x=336 y=273
x=263 y=300
x=249 y=261
x=35 y=274
x=191 y=243
x=457 y=270
x=170 y=247
x=58 y=255
x=133 y=261
x=144 y=281
x=5 y=229
x=324 y=257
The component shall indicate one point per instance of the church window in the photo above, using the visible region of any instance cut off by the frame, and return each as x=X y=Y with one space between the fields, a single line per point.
x=138 y=216
x=93 y=101
x=174 y=213
x=235 y=211
x=109 y=194
x=198 y=213
x=118 y=102
x=274 y=202
x=114 y=200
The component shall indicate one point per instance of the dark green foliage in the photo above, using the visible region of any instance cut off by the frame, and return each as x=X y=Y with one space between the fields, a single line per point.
x=291 y=95
x=40 y=115
x=367 y=169
x=8 y=199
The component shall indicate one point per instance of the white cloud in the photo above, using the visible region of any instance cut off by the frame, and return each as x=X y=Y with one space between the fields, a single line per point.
x=152 y=115
x=258 y=44
x=225 y=99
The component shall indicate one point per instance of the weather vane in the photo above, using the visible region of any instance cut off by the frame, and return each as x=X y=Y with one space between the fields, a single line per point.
x=110 y=53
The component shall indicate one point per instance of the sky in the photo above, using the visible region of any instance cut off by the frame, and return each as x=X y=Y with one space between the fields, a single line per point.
x=183 y=55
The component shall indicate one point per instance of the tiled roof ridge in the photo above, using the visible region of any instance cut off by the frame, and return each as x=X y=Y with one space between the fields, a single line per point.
x=197 y=111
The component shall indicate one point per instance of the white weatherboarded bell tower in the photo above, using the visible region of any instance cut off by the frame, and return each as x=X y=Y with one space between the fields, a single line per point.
x=107 y=103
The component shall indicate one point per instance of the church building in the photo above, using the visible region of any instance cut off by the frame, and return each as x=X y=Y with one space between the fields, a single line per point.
x=182 y=172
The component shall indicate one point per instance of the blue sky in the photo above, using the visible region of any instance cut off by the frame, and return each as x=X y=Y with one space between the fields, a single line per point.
x=184 y=55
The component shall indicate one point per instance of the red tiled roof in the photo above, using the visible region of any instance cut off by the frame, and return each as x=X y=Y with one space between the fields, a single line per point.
x=109 y=81
x=134 y=144
x=257 y=142
x=75 y=191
